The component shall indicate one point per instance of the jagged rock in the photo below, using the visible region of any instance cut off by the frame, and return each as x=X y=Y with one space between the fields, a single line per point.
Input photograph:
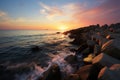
x=105 y=60
x=84 y=72
x=97 y=49
x=71 y=59
x=112 y=73
x=53 y=73
x=112 y=48
x=81 y=48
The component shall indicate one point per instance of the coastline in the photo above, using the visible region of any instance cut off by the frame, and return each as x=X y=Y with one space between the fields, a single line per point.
x=95 y=58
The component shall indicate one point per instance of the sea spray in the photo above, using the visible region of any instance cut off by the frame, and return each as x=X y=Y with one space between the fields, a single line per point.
x=31 y=75
x=64 y=66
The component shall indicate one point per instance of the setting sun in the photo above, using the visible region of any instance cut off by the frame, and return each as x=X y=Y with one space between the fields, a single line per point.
x=63 y=28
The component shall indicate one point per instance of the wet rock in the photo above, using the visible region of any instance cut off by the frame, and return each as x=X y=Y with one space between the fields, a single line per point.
x=7 y=73
x=81 y=48
x=73 y=50
x=53 y=73
x=112 y=73
x=112 y=48
x=71 y=59
x=35 y=49
x=105 y=60
x=84 y=72
x=73 y=77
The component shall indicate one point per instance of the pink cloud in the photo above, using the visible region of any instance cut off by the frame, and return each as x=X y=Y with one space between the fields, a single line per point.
x=108 y=12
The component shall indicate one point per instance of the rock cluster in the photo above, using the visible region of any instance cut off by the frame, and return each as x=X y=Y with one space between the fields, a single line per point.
x=99 y=47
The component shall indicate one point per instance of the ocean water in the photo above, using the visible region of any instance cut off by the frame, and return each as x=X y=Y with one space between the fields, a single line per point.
x=16 y=54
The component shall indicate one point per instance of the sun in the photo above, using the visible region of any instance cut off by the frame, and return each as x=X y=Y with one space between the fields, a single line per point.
x=63 y=28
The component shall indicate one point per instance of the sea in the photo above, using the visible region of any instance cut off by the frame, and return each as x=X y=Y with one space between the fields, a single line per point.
x=16 y=53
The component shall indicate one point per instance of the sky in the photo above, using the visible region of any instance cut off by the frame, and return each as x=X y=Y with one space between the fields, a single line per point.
x=57 y=14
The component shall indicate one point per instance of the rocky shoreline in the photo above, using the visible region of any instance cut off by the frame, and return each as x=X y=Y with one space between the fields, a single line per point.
x=96 y=58
x=99 y=47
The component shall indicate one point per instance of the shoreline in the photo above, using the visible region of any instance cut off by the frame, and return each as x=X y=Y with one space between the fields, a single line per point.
x=96 y=57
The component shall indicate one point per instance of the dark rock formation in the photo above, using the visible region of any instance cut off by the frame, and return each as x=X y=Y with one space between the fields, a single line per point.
x=35 y=49
x=53 y=73
x=71 y=59
x=112 y=48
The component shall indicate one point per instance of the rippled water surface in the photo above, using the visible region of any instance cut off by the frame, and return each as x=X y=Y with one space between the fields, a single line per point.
x=15 y=51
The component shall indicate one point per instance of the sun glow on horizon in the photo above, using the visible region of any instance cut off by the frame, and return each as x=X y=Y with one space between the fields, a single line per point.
x=63 y=28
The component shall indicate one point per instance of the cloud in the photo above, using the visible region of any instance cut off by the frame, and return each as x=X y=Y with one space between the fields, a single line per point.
x=49 y=11
x=2 y=14
x=107 y=12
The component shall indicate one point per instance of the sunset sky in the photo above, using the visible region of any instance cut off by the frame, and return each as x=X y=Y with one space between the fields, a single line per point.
x=57 y=14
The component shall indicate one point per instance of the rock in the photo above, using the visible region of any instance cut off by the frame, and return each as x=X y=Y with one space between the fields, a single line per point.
x=35 y=49
x=89 y=72
x=7 y=73
x=97 y=49
x=73 y=50
x=94 y=71
x=112 y=48
x=53 y=73
x=84 y=72
x=113 y=36
x=73 y=77
x=58 y=32
x=112 y=73
x=85 y=52
x=91 y=44
x=81 y=48
x=71 y=59
x=105 y=60
x=88 y=59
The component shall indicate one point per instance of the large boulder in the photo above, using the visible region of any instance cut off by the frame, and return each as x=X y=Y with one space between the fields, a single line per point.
x=105 y=60
x=112 y=73
x=112 y=48
x=84 y=72
x=113 y=36
x=89 y=72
